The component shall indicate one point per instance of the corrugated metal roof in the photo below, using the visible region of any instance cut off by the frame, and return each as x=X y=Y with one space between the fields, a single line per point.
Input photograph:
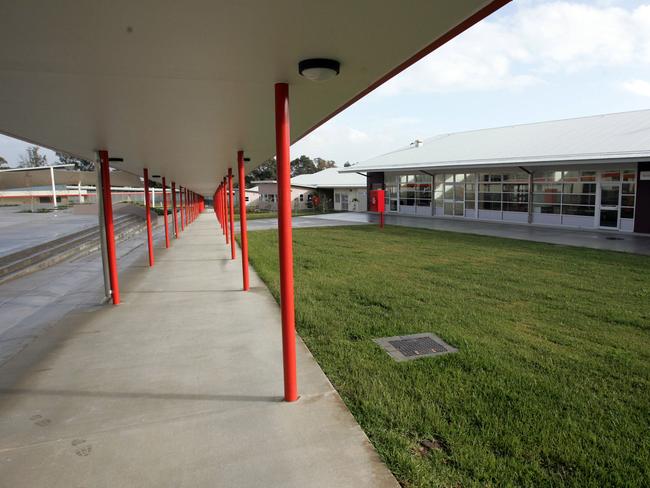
x=329 y=178
x=608 y=137
x=326 y=178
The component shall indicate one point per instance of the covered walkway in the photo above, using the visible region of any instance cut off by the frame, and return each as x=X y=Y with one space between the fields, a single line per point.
x=181 y=385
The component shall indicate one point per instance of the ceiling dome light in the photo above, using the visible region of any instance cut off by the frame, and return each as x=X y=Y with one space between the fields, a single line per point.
x=318 y=69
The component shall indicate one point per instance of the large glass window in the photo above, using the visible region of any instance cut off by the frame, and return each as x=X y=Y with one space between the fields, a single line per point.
x=407 y=190
x=438 y=190
x=454 y=194
x=391 y=183
x=579 y=193
x=423 y=190
x=628 y=190
x=507 y=192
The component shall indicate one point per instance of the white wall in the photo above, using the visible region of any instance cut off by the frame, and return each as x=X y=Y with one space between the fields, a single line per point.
x=268 y=199
x=357 y=199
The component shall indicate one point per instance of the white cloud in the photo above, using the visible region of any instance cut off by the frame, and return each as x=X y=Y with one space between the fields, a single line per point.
x=638 y=87
x=522 y=49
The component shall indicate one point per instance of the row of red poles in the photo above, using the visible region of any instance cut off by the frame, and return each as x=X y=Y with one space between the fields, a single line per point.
x=192 y=204
x=224 y=211
x=185 y=211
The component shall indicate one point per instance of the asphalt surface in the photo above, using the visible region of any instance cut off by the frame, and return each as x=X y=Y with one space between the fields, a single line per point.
x=21 y=230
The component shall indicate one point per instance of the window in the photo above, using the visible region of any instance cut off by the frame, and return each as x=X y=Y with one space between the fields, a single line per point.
x=302 y=197
x=579 y=193
x=628 y=190
x=454 y=194
x=337 y=197
x=423 y=190
x=407 y=187
x=391 y=183
x=507 y=192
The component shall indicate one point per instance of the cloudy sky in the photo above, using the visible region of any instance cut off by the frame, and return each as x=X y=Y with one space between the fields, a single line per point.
x=533 y=60
x=530 y=61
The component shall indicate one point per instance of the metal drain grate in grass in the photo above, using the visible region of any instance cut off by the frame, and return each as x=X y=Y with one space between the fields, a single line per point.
x=406 y=348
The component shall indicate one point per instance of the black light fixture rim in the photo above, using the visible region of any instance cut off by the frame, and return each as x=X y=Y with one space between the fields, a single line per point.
x=311 y=63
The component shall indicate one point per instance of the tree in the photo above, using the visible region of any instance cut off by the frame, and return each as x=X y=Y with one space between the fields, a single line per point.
x=268 y=170
x=347 y=164
x=322 y=164
x=80 y=164
x=33 y=159
x=3 y=163
x=302 y=166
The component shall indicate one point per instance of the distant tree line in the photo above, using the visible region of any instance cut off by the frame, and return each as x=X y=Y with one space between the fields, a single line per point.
x=303 y=165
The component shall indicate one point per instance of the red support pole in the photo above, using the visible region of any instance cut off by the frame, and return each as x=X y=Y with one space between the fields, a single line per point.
x=220 y=203
x=174 y=209
x=164 y=196
x=107 y=201
x=243 y=231
x=223 y=215
x=180 y=207
x=282 y=142
x=187 y=207
x=217 y=197
x=214 y=203
x=225 y=209
x=147 y=205
x=231 y=208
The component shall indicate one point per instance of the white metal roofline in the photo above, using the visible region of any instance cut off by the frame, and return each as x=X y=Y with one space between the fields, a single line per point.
x=476 y=164
x=36 y=168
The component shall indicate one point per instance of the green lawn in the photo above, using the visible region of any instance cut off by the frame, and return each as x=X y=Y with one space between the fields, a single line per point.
x=550 y=387
x=273 y=215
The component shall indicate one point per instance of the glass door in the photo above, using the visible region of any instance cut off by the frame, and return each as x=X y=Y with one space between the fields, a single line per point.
x=344 y=202
x=609 y=204
x=454 y=195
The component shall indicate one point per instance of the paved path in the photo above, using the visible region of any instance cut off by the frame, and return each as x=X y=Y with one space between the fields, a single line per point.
x=606 y=240
x=30 y=304
x=323 y=220
x=20 y=230
x=179 y=386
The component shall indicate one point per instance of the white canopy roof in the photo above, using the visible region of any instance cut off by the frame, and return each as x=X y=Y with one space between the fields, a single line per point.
x=180 y=86
x=329 y=178
x=602 y=138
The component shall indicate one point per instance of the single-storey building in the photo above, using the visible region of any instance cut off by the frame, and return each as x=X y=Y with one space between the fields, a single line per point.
x=328 y=189
x=588 y=172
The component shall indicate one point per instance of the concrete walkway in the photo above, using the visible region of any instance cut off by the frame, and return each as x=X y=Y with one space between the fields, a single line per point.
x=595 y=239
x=179 y=386
x=317 y=220
x=30 y=304
x=605 y=240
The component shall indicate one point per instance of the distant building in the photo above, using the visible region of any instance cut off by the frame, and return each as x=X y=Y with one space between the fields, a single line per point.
x=588 y=172
x=327 y=189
